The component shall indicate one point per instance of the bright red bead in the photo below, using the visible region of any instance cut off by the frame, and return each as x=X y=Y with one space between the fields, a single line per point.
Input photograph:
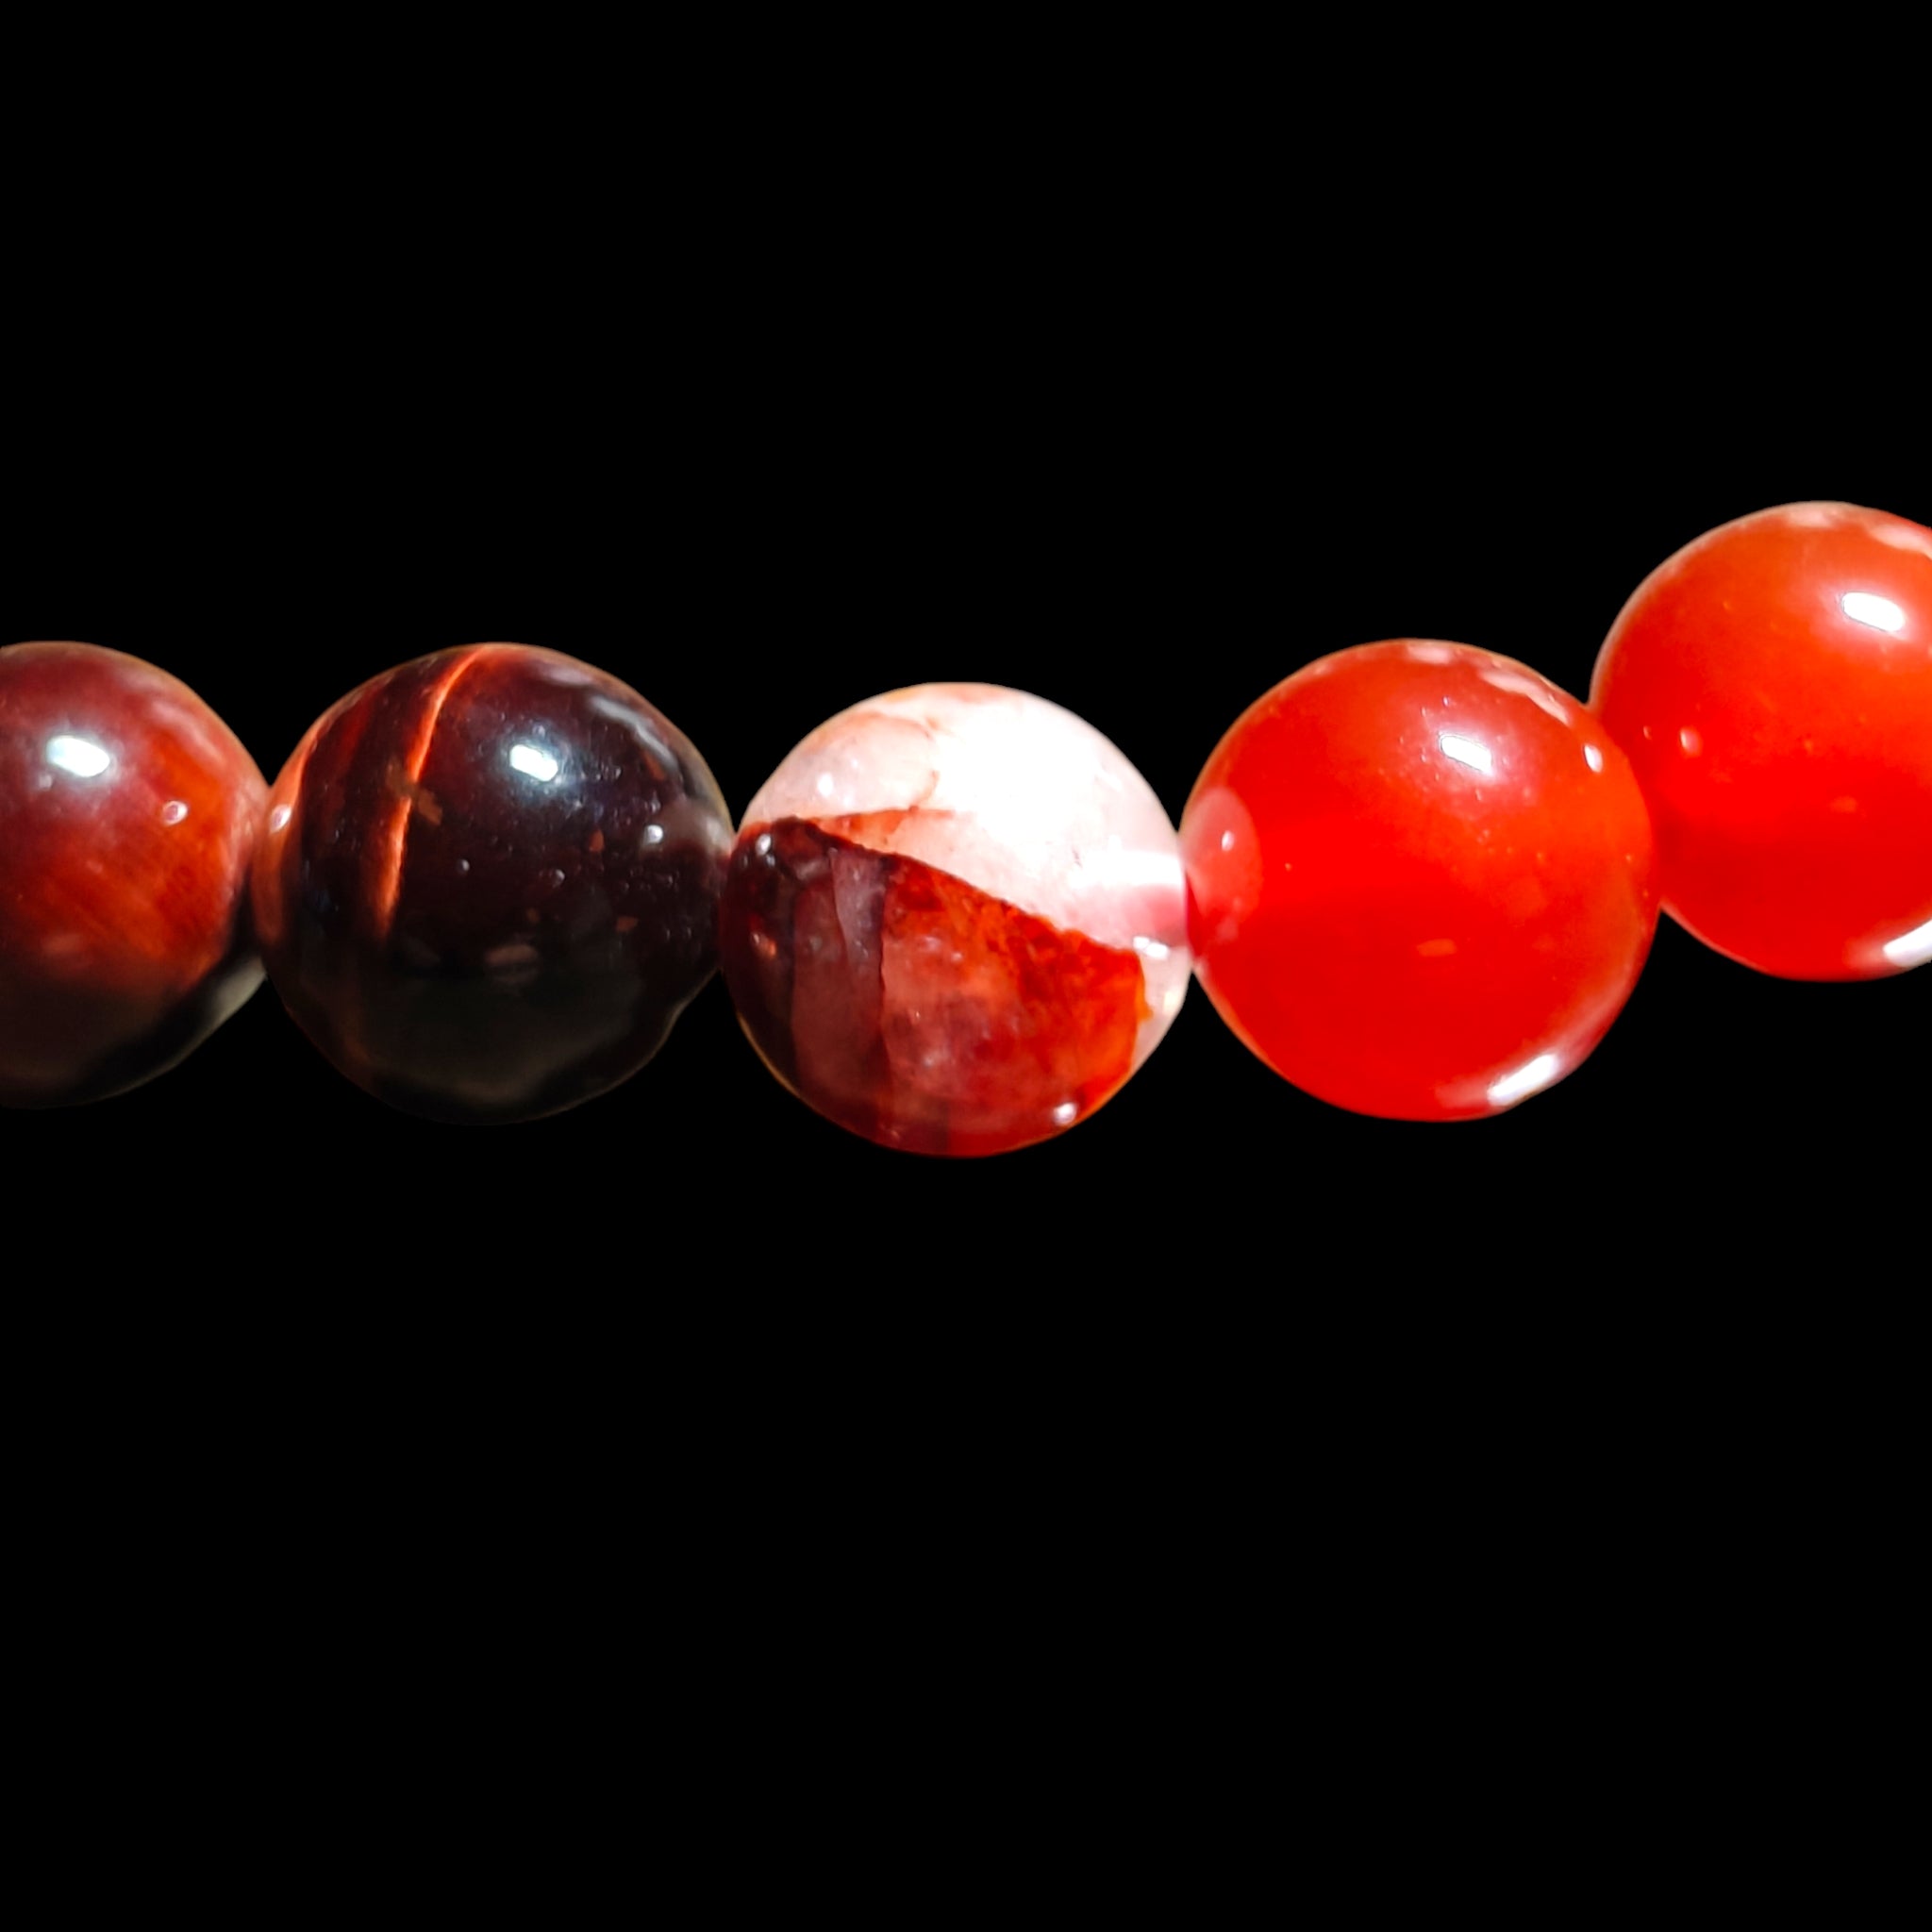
x=1420 y=880
x=1773 y=685
x=128 y=813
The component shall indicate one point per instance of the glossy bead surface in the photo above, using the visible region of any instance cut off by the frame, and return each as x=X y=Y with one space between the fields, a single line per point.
x=488 y=882
x=127 y=814
x=955 y=919
x=1420 y=880
x=1773 y=685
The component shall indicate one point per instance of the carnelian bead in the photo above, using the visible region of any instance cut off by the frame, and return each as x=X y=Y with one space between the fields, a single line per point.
x=1420 y=880
x=1773 y=685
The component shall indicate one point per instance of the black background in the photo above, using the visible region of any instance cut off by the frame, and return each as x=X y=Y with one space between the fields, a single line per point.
x=1140 y=413
x=1136 y=372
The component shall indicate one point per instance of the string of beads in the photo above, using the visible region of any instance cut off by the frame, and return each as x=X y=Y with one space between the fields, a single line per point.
x=1416 y=879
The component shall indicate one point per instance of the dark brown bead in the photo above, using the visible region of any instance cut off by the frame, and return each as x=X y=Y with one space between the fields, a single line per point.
x=488 y=882
x=127 y=814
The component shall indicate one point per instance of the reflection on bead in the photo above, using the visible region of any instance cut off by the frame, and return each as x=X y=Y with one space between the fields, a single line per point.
x=955 y=919
x=1420 y=880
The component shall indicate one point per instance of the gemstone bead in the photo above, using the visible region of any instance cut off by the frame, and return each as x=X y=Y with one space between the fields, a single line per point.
x=955 y=919
x=1420 y=880
x=1773 y=685
x=128 y=811
x=488 y=882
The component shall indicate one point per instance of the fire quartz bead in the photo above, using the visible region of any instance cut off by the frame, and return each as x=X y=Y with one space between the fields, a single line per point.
x=1773 y=685
x=488 y=882
x=955 y=919
x=127 y=814
x=1420 y=880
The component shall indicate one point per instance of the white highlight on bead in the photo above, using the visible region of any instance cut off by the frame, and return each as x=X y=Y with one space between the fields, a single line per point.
x=1901 y=535
x=173 y=813
x=1867 y=606
x=1533 y=689
x=534 y=761
x=1531 y=1077
x=1911 y=949
x=1471 y=752
x=80 y=755
x=1592 y=758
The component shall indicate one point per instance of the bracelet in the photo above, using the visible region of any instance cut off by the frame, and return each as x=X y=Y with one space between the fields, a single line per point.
x=1415 y=878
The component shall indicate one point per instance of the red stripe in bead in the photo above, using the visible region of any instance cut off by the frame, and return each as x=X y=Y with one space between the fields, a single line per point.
x=389 y=880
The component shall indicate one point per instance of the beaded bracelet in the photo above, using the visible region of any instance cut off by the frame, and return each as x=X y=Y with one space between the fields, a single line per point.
x=1416 y=879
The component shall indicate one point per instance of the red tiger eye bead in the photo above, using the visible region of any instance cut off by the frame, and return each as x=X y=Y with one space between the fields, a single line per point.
x=488 y=882
x=128 y=812
x=1773 y=685
x=1420 y=880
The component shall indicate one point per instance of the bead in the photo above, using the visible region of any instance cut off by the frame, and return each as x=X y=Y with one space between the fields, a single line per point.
x=127 y=814
x=488 y=882
x=1420 y=880
x=955 y=919
x=1773 y=685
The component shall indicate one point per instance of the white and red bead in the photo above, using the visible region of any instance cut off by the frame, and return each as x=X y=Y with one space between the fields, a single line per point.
x=956 y=919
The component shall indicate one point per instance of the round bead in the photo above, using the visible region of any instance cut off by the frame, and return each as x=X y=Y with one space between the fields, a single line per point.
x=488 y=882
x=1420 y=880
x=955 y=919
x=1773 y=685
x=127 y=814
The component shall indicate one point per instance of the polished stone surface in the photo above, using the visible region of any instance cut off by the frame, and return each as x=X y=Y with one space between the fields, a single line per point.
x=956 y=921
x=488 y=882
x=1773 y=685
x=128 y=811
x=1420 y=880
